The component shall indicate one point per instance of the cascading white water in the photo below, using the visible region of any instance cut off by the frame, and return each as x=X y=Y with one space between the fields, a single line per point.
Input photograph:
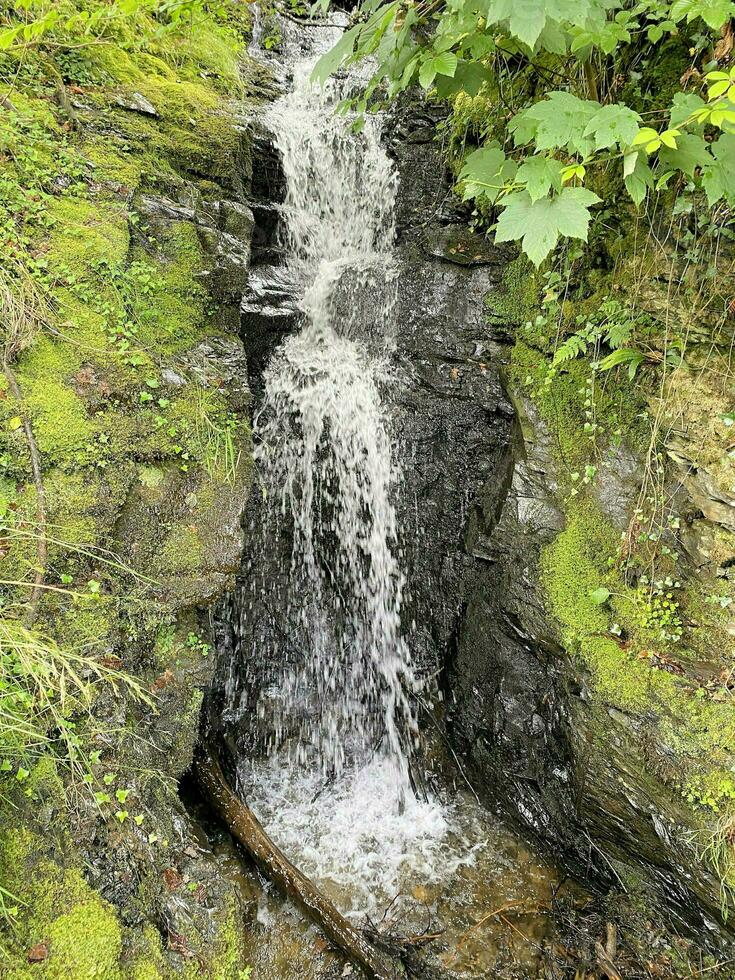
x=338 y=717
x=324 y=454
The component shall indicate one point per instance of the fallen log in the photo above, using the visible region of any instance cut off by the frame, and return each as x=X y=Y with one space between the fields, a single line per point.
x=245 y=826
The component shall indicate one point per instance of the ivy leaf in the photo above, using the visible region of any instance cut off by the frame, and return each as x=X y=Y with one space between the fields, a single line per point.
x=538 y=224
x=540 y=174
x=691 y=152
x=714 y=13
x=613 y=124
x=486 y=172
x=557 y=122
x=718 y=179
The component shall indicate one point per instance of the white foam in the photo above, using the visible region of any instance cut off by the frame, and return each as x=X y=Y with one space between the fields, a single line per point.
x=362 y=834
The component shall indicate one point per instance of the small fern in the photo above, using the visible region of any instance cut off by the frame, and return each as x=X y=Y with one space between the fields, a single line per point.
x=577 y=344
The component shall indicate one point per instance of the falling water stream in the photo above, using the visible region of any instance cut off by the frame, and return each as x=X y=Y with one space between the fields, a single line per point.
x=330 y=710
x=337 y=718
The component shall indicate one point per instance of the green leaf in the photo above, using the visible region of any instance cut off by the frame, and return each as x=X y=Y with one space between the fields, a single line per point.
x=714 y=13
x=329 y=63
x=644 y=136
x=445 y=63
x=558 y=122
x=486 y=172
x=540 y=175
x=718 y=179
x=626 y=355
x=613 y=124
x=599 y=596
x=684 y=105
x=427 y=73
x=527 y=20
x=638 y=176
x=691 y=152
x=470 y=77
x=538 y=224
x=9 y=36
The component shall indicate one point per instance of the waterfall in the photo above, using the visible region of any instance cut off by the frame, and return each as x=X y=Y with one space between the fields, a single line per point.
x=334 y=720
x=323 y=449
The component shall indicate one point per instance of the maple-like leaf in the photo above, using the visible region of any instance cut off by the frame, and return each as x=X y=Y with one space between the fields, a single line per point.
x=558 y=122
x=718 y=179
x=486 y=172
x=540 y=175
x=539 y=224
x=613 y=124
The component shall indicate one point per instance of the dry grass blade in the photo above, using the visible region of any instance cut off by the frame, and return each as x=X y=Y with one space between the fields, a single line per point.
x=23 y=313
x=43 y=685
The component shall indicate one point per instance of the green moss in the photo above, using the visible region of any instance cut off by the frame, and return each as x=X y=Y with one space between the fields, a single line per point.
x=194 y=131
x=60 y=423
x=112 y=164
x=87 y=233
x=516 y=301
x=125 y=300
x=172 y=312
x=182 y=552
x=573 y=566
x=85 y=943
x=79 y=930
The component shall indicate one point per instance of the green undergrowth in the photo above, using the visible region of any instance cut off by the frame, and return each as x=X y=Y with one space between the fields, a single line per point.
x=651 y=629
x=636 y=618
x=141 y=454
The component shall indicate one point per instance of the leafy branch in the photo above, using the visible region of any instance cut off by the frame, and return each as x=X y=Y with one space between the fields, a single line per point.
x=536 y=178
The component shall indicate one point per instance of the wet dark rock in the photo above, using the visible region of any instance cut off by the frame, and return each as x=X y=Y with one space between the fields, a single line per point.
x=265 y=241
x=540 y=747
x=617 y=486
x=480 y=502
x=268 y=183
x=269 y=311
x=155 y=209
x=456 y=243
x=229 y=258
x=220 y=362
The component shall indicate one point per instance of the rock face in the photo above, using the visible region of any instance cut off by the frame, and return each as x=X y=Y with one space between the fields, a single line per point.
x=569 y=769
x=452 y=419
x=478 y=504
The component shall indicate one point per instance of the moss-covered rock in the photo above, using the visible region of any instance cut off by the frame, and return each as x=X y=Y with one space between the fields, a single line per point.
x=137 y=401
